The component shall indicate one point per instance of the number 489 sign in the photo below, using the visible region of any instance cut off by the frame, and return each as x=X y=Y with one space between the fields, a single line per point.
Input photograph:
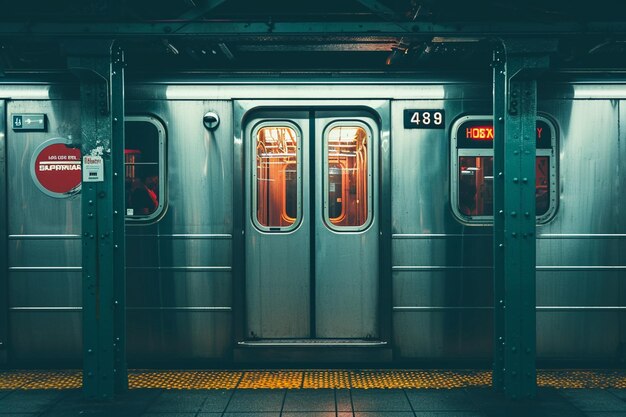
x=424 y=119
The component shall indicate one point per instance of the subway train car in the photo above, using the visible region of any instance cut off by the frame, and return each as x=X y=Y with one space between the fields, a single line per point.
x=316 y=220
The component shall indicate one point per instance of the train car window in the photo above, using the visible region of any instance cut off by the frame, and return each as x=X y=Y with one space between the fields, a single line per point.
x=476 y=185
x=144 y=167
x=336 y=192
x=348 y=195
x=276 y=177
x=472 y=169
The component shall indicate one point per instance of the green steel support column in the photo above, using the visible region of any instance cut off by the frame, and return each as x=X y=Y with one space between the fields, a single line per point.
x=515 y=117
x=4 y=234
x=100 y=68
x=499 y=109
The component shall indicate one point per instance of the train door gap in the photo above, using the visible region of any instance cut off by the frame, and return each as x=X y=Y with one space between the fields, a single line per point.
x=312 y=181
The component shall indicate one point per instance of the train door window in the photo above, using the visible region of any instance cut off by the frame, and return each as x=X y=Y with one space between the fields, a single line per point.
x=472 y=169
x=276 y=177
x=347 y=196
x=144 y=167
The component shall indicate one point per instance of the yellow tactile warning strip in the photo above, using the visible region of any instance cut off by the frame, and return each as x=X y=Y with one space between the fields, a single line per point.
x=183 y=379
x=581 y=379
x=311 y=379
x=326 y=379
x=271 y=379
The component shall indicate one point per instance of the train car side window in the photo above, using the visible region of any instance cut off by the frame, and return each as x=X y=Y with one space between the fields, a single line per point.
x=144 y=168
x=472 y=169
x=276 y=176
x=347 y=195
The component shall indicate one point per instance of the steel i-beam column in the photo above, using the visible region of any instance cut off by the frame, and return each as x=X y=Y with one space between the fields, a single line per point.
x=4 y=251
x=515 y=117
x=100 y=68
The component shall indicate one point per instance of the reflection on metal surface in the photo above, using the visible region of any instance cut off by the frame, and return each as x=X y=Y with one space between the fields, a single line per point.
x=313 y=343
x=45 y=268
x=43 y=237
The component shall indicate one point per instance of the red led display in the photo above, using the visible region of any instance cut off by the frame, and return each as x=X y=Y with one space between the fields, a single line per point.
x=480 y=134
x=486 y=132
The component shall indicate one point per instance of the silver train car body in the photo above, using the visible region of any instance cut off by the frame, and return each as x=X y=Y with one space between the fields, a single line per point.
x=204 y=280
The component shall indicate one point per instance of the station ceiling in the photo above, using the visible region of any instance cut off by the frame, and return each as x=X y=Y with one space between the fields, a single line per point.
x=321 y=35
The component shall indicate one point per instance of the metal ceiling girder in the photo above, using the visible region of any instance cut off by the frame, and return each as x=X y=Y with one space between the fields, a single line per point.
x=99 y=66
x=209 y=29
x=201 y=10
x=516 y=66
x=379 y=9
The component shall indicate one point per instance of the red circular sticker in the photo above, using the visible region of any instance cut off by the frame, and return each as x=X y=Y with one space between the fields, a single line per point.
x=57 y=168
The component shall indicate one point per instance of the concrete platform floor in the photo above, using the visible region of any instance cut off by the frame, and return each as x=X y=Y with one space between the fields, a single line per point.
x=456 y=402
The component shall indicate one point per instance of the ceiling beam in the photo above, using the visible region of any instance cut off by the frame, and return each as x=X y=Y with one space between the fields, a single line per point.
x=370 y=30
x=200 y=10
x=380 y=9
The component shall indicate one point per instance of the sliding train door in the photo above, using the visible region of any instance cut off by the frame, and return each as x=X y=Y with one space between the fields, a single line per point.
x=277 y=225
x=311 y=230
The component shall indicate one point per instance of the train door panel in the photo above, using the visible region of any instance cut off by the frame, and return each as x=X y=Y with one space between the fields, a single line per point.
x=277 y=227
x=311 y=231
x=346 y=228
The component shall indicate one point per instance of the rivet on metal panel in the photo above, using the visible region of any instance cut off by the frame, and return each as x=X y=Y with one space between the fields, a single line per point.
x=527 y=214
x=515 y=180
x=514 y=349
x=513 y=213
x=501 y=246
x=515 y=152
x=524 y=180
x=501 y=212
x=514 y=234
